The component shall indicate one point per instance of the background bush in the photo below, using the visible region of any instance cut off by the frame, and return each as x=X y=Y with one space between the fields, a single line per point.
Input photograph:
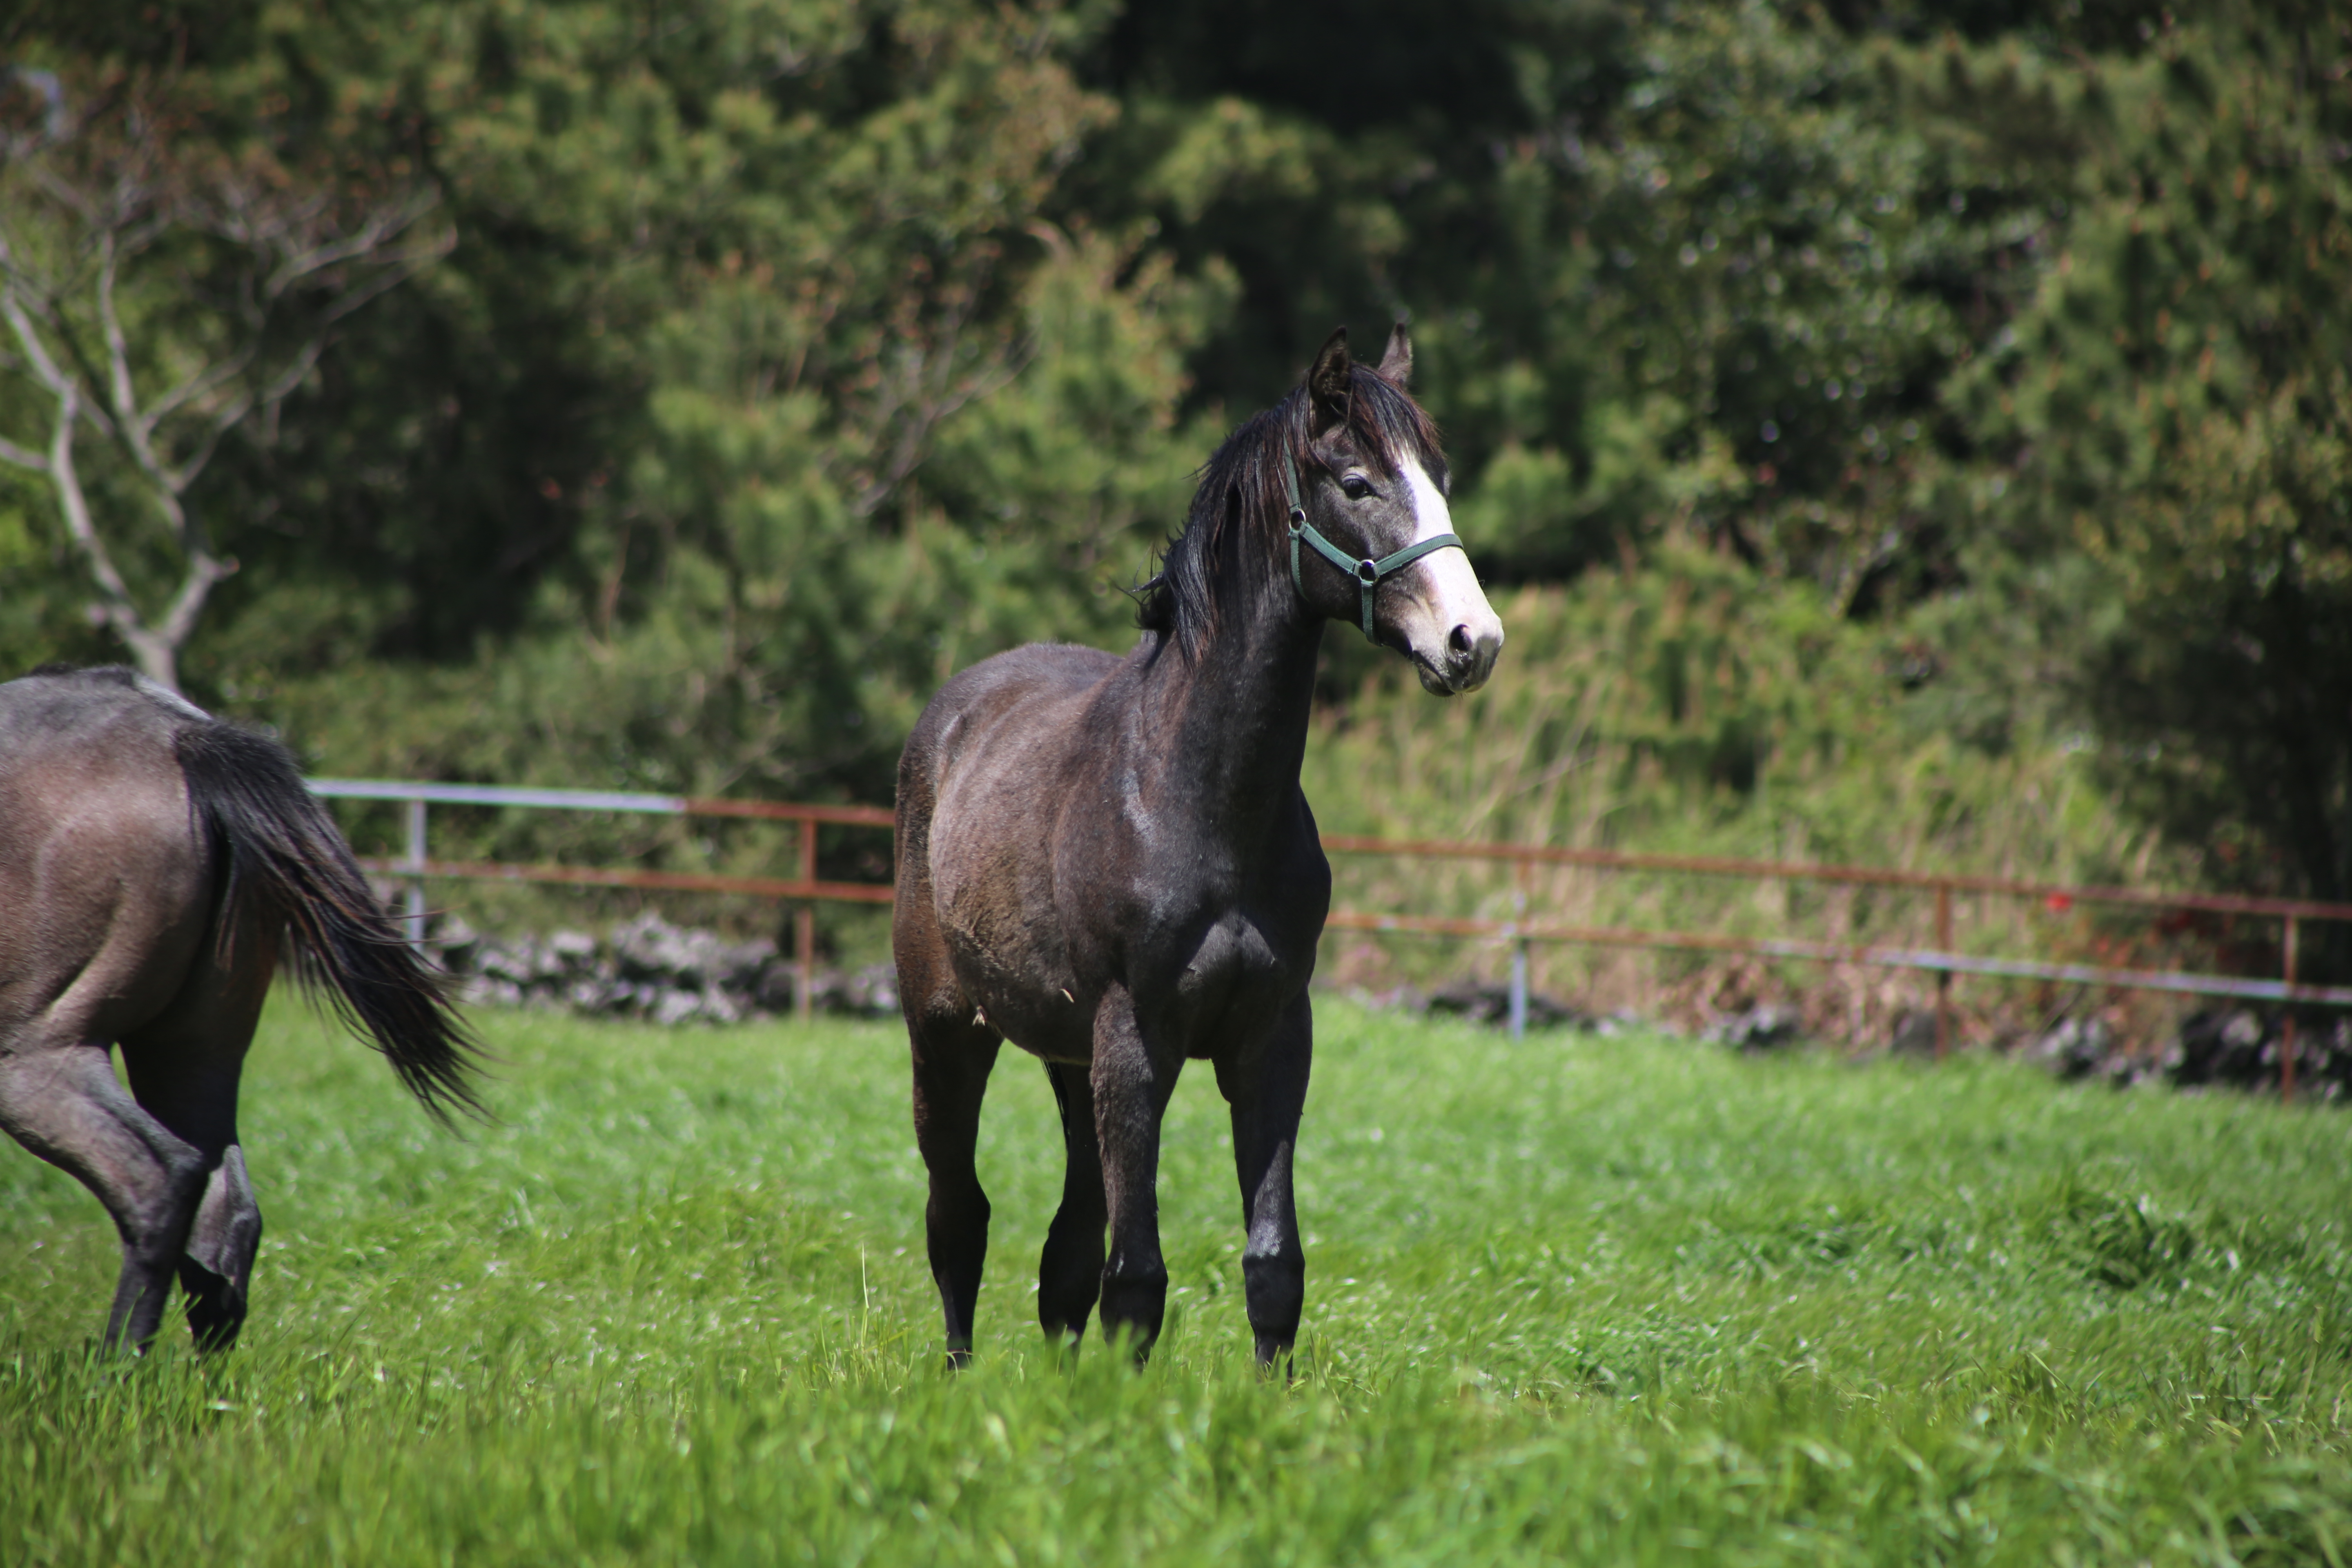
x=1904 y=434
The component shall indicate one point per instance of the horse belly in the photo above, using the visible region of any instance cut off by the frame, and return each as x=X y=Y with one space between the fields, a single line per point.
x=1005 y=938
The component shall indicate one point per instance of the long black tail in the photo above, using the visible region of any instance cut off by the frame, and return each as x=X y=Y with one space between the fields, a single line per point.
x=288 y=865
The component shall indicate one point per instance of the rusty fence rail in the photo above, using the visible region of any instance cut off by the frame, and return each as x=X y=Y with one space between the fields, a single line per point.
x=1944 y=960
x=417 y=866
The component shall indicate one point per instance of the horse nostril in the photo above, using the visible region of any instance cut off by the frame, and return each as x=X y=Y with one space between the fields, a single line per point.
x=1458 y=640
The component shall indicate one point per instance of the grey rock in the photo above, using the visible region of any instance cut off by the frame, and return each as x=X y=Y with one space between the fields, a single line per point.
x=482 y=991
x=570 y=953
x=2074 y=1049
x=2231 y=1044
x=670 y=1006
x=1914 y=1034
x=650 y=948
x=1765 y=1028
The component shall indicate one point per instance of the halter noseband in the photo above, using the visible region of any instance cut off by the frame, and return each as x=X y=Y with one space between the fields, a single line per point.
x=1367 y=572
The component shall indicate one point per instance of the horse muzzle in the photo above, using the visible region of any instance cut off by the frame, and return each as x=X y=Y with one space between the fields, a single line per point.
x=1445 y=624
x=1466 y=660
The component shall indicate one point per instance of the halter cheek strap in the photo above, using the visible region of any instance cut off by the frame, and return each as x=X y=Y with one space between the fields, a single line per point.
x=1367 y=572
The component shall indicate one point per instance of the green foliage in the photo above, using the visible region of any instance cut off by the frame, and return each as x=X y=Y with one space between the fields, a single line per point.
x=37 y=597
x=790 y=648
x=2226 y=688
x=719 y=288
x=1976 y=369
x=1672 y=265
x=1631 y=1300
x=2174 y=402
x=1676 y=693
x=1685 y=708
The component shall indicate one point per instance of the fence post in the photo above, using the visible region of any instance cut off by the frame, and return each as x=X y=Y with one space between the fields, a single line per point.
x=1519 y=959
x=1943 y=976
x=2286 y=1033
x=415 y=869
x=805 y=927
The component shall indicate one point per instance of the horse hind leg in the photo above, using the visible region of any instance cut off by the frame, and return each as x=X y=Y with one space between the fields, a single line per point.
x=1069 y=1275
x=953 y=1061
x=186 y=1066
x=216 y=1266
x=63 y=1103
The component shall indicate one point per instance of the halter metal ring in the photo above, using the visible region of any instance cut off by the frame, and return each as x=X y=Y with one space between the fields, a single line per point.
x=1367 y=572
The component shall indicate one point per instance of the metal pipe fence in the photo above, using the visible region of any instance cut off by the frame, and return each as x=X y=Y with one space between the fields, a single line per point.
x=1943 y=959
x=417 y=866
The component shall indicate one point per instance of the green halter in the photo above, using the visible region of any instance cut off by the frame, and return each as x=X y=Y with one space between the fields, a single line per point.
x=1367 y=572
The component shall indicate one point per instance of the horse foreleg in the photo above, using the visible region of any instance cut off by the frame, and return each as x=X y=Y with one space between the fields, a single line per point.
x=1266 y=1089
x=1132 y=1087
x=952 y=1062
x=65 y=1105
x=1070 y=1275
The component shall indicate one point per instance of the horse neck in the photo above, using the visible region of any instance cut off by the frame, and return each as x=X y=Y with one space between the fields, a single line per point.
x=1232 y=719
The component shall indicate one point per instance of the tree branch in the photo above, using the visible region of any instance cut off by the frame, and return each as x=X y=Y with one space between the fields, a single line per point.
x=36 y=353
x=290 y=253
x=136 y=432
x=926 y=391
x=202 y=384
x=71 y=500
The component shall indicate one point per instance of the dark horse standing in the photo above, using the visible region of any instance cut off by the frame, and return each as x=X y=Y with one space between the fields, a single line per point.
x=1108 y=861
x=154 y=864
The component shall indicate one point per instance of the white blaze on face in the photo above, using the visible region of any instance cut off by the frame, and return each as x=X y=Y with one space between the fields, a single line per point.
x=1453 y=593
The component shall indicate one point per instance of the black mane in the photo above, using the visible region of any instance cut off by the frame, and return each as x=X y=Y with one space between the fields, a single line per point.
x=1242 y=489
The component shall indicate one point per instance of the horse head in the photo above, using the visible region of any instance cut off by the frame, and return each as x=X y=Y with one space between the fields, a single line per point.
x=1369 y=506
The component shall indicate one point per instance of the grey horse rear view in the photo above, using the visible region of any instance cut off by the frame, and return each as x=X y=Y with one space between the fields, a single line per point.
x=154 y=865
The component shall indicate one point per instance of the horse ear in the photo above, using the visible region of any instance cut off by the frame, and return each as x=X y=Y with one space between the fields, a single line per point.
x=1328 y=383
x=1396 y=364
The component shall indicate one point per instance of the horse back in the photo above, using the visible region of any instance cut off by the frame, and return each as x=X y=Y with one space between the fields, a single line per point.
x=1011 y=715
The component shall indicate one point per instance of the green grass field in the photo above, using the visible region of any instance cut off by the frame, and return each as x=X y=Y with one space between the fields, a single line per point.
x=1582 y=1299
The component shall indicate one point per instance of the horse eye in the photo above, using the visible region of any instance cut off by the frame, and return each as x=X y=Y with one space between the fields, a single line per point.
x=1356 y=486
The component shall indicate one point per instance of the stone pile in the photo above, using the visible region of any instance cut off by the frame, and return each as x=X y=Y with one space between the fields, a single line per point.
x=1491 y=1005
x=2236 y=1047
x=1480 y=1003
x=663 y=973
x=653 y=969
